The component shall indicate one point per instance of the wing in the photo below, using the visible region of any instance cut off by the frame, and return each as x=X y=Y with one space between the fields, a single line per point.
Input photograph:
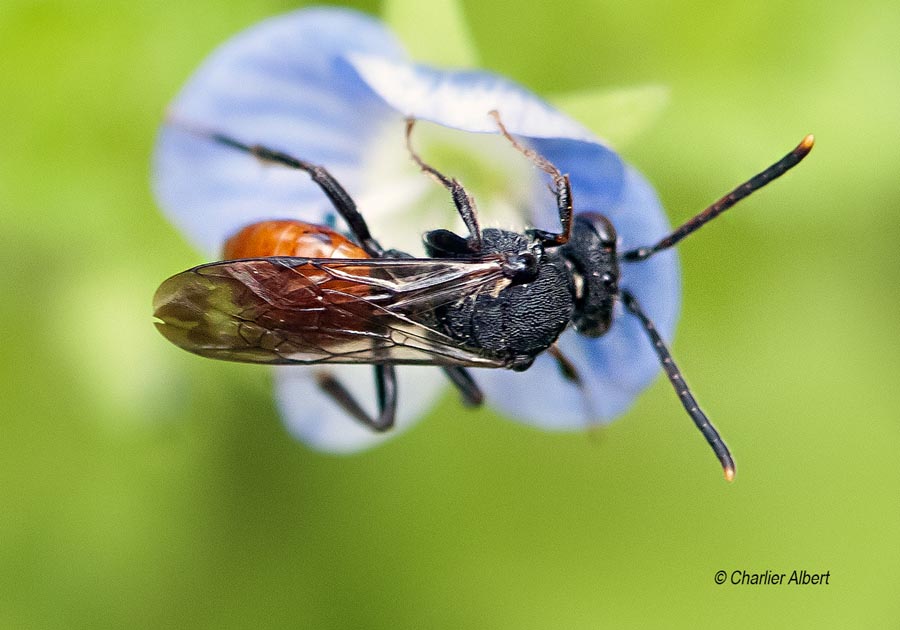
x=308 y=310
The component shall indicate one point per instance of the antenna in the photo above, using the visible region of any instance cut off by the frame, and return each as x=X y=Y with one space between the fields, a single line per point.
x=753 y=184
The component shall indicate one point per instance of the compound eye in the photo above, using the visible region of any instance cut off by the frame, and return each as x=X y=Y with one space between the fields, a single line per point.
x=601 y=226
x=605 y=230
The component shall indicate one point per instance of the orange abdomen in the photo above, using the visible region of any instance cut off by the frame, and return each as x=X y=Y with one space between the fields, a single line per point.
x=290 y=238
x=303 y=240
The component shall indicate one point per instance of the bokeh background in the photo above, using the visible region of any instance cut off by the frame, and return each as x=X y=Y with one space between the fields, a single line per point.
x=143 y=487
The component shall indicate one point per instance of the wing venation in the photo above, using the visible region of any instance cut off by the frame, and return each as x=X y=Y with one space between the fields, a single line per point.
x=309 y=311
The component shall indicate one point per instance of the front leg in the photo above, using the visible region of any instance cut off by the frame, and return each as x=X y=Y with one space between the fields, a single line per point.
x=562 y=189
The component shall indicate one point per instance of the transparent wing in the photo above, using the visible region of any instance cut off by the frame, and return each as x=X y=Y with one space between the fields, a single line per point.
x=308 y=311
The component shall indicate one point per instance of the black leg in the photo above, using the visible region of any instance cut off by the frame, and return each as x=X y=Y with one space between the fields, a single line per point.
x=562 y=189
x=386 y=384
x=566 y=367
x=385 y=375
x=468 y=388
x=684 y=393
x=569 y=372
x=465 y=205
x=342 y=201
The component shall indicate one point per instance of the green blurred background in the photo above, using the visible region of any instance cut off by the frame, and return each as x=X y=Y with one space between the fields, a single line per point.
x=146 y=488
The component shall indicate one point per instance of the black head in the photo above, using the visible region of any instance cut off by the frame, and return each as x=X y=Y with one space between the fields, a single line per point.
x=591 y=250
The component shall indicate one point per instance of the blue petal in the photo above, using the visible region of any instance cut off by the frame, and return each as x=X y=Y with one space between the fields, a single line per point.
x=315 y=418
x=281 y=83
x=462 y=99
x=322 y=85
x=616 y=367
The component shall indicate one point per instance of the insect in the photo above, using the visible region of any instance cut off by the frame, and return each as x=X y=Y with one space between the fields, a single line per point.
x=296 y=293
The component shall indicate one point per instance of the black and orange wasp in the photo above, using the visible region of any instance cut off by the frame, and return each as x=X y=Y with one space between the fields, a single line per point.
x=295 y=293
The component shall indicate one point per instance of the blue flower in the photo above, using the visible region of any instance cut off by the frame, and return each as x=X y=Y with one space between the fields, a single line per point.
x=334 y=87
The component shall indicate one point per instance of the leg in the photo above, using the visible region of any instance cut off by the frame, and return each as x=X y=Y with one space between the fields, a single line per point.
x=465 y=205
x=342 y=201
x=684 y=393
x=566 y=367
x=386 y=385
x=385 y=375
x=562 y=189
x=569 y=372
x=468 y=388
